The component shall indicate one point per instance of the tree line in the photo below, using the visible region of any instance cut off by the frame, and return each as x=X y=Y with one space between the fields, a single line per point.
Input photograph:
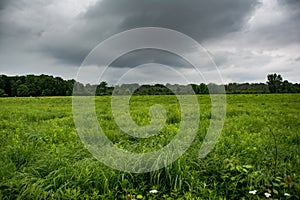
x=45 y=85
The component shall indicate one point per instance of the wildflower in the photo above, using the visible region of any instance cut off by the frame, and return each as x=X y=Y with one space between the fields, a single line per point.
x=153 y=191
x=253 y=192
x=287 y=194
x=267 y=194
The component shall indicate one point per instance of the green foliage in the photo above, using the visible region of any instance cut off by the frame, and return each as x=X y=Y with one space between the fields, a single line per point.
x=274 y=82
x=45 y=85
x=31 y=85
x=22 y=91
x=41 y=156
x=246 y=88
x=2 y=92
x=277 y=85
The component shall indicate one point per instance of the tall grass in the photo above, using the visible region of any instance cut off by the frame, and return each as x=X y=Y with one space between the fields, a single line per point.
x=41 y=156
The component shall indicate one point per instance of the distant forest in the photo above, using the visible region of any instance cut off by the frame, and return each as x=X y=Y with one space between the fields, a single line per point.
x=45 y=85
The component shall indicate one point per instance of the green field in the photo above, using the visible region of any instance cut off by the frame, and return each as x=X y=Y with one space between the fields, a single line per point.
x=42 y=157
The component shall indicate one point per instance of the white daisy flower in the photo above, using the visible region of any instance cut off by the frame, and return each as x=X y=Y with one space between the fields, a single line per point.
x=267 y=194
x=153 y=191
x=253 y=192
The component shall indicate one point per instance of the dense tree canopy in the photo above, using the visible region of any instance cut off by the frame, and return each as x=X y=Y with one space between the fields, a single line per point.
x=274 y=82
x=32 y=85
x=45 y=85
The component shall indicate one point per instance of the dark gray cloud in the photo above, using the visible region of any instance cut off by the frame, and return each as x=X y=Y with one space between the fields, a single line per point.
x=3 y=4
x=140 y=57
x=198 y=19
x=293 y=4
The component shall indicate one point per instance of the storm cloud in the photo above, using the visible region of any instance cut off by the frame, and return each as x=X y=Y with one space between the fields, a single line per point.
x=247 y=39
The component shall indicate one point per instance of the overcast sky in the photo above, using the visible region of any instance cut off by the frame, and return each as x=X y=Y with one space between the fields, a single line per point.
x=247 y=39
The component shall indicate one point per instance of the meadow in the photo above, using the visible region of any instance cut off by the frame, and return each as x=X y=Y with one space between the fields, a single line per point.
x=42 y=157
